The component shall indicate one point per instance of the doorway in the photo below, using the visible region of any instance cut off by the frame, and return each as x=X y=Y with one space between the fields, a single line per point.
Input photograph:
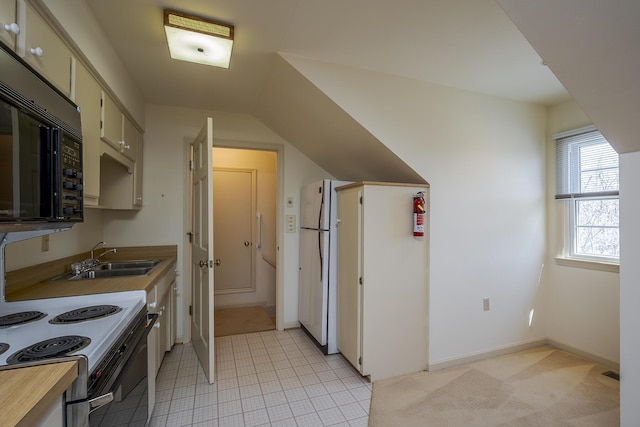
x=245 y=183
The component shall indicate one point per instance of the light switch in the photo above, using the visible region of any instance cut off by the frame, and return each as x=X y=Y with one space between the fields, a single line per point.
x=290 y=223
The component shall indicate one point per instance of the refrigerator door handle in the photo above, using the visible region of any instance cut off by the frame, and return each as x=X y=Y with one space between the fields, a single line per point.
x=320 y=255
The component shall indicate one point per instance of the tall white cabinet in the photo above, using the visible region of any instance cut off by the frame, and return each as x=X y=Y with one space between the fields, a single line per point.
x=382 y=279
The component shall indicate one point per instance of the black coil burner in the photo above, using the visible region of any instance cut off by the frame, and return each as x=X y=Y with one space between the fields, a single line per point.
x=20 y=318
x=53 y=347
x=86 y=313
x=3 y=347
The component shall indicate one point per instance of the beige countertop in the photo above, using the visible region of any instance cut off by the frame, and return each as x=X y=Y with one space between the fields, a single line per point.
x=31 y=283
x=27 y=393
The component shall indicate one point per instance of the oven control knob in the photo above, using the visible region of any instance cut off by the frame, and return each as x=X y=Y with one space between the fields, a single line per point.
x=68 y=172
x=68 y=185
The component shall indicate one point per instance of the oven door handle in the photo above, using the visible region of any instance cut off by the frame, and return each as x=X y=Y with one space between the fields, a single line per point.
x=79 y=411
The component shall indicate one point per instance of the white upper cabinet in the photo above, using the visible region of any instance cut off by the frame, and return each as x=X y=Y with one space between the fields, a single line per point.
x=8 y=23
x=117 y=130
x=39 y=45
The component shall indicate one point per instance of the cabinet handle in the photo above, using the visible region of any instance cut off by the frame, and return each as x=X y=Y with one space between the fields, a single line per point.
x=37 y=51
x=124 y=147
x=12 y=28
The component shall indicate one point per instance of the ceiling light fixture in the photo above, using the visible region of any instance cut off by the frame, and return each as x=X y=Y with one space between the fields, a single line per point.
x=198 y=40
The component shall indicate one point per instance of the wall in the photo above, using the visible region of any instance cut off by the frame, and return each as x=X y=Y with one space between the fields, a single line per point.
x=265 y=164
x=80 y=238
x=629 y=289
x=582 y=305
x=162 y=217
x=484 y=159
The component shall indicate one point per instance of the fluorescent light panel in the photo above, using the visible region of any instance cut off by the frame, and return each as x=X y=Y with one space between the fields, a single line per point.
x=198 y=40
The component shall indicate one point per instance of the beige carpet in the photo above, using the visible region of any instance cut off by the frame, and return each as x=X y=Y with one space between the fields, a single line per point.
x=243 y=320
x=542 y=387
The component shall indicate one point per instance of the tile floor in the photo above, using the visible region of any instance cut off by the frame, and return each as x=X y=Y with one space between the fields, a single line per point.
x=273 y=378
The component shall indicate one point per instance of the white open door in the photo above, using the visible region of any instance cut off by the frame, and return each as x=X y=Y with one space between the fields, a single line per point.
x=202 y=250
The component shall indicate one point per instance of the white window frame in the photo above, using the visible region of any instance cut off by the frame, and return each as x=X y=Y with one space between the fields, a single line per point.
x=568 y=255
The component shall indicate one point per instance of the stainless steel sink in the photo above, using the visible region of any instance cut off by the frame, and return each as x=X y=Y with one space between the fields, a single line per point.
x=123 y=265
x=113 y=269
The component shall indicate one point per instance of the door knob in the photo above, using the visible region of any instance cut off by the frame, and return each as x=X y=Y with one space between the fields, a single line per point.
x=247 y=243
x=218 y=262
x=203 y=263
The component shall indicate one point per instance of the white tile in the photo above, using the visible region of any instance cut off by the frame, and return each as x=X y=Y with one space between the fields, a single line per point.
x=352 y=411
x=360 y=422
x=315 y=390
x=334 y=386
x=225 y=364
x=206 y=399
x=320 y=367
x=258 y=360
x=289 y=383
x=286 y=373
x=281 y=364
x=205 y=413
x=331 y=416
x=256 y=418
x=164 y=395
x=352 y=382
x=186 y=380
x=343 y=398
x=280 y=356
x=206 y=388
x=273 y=399
x=227 y=383
x=178 y=405
x=165 y=385
x=360 y=393
x=309 y=420
x=301 y=407
x=241 y=355
x=245 y=370
x=229 y=408
x=226 y=373
x=161 y=408
x=210 y=423
x=327 y=376
x=180 y=392
x=228 y=395
x=270 y=387
x=160 y=421
x=244 y=362
x=259 y=353
x=289 y=422
x=323 y=402
x=250 y=390
x=298 y=361
x=309 y=379
x=264 y=377
x=178 y=419
x=264 y=367
x=253 y=403
x=279 y=412
x=365 y=404
x=295 y=394
x=232 y=421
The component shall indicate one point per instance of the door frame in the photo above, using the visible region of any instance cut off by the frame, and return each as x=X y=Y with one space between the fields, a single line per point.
x=280 y=203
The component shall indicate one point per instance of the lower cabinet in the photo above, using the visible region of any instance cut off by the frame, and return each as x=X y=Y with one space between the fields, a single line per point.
x=382 y=280
x=159 y=340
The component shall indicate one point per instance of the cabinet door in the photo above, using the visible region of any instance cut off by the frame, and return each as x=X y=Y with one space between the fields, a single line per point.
x=88 y=93
x=349 y=274
x=7 y=17
x=111 y=126
x=130 y=136
x=41 y=47
x=137 y=176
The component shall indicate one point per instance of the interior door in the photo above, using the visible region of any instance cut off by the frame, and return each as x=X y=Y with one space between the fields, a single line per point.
x=202 y=250
x=233 y=194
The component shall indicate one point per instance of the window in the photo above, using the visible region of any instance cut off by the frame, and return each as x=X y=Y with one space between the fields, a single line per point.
x=588 y=182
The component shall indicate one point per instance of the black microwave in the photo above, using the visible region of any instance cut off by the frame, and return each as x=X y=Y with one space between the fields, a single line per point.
x=41 y=179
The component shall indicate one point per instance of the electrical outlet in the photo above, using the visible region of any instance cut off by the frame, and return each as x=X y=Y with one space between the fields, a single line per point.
x=290 y=223
x=486 y=304
x=44 y=247
x=289 y=202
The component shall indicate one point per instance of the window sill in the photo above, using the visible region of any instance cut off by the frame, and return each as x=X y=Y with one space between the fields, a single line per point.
x=593 y=265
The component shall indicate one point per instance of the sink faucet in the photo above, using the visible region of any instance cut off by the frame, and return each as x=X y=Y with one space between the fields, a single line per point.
x=96 y=247
x=95 y=260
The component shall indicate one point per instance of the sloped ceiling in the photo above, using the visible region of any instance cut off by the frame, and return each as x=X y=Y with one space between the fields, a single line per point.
x=592 y=47
x=296 y=109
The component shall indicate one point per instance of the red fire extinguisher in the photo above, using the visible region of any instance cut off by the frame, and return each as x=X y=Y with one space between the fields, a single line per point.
x=418 y=214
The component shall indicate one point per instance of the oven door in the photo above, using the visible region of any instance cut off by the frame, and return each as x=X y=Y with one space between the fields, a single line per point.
x=126 y=401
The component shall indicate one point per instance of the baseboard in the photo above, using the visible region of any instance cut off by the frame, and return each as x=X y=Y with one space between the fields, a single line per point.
x=290 y=325
x=501 y=351
x=476 y=357
x=585 y=354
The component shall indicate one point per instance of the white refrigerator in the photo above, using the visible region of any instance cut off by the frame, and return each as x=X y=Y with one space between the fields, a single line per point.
x=317 y=294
